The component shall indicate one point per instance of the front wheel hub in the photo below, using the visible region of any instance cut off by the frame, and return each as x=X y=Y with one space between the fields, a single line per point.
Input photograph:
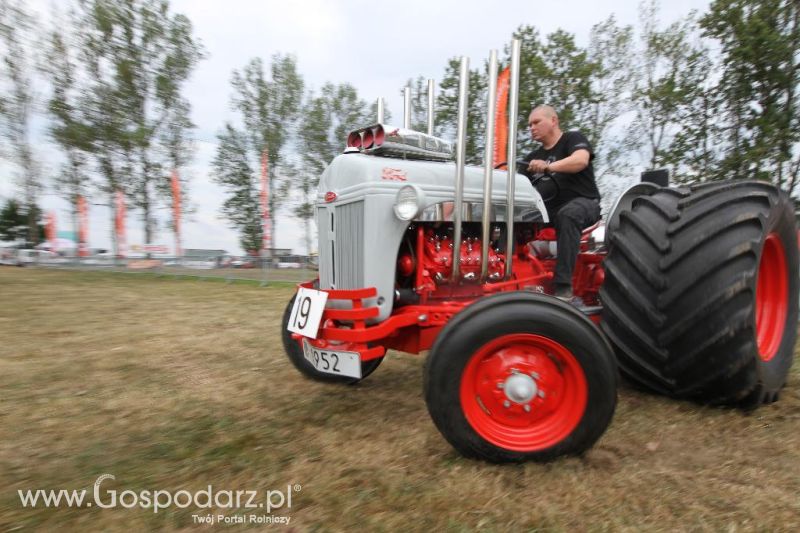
x=523 y=392
x=520 y=388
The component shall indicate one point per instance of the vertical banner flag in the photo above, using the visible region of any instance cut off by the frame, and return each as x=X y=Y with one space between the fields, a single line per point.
x=501 y=119
x=120 y=224
x=266 y=242
x=176 y=212
x=83 y=227
x=50 y=230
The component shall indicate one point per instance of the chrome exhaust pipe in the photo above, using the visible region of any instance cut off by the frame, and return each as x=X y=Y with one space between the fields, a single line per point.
x=380 y=110
x=461 y=141
x=511 y=160
x=430 y=107
x=407 y=108
x=488 y=167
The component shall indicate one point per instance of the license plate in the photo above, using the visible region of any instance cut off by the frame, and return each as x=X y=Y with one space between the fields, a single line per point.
x=333 y=362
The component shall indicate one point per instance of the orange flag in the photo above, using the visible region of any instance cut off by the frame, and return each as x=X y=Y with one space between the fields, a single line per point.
x=501 y=117
x=176 y=211
x=50 y=230
x=83 y=227
x=120 y=224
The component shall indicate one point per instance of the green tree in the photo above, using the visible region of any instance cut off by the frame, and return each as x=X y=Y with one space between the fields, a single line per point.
x=232 y=169
x=693 y=154
x=669 y=73
x=447 y=109
x=138 y=56
x=14 y=222
x=269 y=109
x=67 y=126
x=568 y=82
x=419 y=103
x=532 y=82
x=326 y=120
x=16 y=43
x=760 y=55
x=610 y=50
x=555 y=72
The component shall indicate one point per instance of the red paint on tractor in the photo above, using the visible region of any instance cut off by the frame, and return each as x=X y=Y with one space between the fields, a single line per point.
x=413 y=327
x=772 y=297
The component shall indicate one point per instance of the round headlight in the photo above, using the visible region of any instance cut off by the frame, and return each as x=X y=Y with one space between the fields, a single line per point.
x=406 y=206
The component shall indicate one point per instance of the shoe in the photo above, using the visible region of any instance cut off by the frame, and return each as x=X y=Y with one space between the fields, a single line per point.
x=564 y=293
x=578 y=303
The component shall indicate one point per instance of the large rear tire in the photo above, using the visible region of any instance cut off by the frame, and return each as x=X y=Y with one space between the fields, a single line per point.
x=701 y=292
x=520 y=376
x=295 y=353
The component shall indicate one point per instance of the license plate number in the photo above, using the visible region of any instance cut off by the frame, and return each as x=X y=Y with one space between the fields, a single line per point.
x=332 y=361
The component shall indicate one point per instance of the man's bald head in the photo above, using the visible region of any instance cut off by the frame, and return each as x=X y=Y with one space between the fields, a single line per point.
x=546 y=111
x=543 y=123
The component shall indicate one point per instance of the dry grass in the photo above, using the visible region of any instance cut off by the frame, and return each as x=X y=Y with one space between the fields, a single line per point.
x=180 y=384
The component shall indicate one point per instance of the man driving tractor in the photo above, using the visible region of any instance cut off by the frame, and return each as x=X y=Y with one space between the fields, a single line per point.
x=575 y=205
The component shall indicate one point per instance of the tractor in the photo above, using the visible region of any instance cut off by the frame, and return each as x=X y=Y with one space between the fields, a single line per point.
x=692 y=291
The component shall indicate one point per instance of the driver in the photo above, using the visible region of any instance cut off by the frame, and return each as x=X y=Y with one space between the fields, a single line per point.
x=568 y=158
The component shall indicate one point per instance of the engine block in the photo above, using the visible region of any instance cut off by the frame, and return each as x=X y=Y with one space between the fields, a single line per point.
x=438 y=256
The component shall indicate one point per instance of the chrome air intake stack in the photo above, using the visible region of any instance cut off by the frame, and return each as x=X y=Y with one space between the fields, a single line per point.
x=513 y=109
x=461 y=141
x=488 y=167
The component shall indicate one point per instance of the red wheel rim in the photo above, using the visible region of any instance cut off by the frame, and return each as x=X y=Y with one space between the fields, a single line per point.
x=501 y=370
x=772 y=297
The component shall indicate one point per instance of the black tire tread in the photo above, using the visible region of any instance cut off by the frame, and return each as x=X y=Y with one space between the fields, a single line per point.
x=680 y=286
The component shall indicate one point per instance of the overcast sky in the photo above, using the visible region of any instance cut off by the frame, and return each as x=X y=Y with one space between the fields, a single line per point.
x=376 y=46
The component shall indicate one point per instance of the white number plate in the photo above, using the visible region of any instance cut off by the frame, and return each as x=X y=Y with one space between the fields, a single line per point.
x=307 y=312
x=332 y=362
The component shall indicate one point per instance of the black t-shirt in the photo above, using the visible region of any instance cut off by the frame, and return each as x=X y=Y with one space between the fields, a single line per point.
x=581 y=184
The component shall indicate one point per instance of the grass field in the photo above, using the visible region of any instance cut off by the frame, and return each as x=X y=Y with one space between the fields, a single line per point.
x=225 y=274
x=179 y=384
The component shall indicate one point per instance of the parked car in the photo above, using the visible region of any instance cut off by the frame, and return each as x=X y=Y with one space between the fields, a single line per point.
x=239 y=262
x=26 y=257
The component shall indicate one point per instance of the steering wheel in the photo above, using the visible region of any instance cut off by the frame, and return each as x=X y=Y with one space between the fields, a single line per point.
x=544 y=183
x=522 y=166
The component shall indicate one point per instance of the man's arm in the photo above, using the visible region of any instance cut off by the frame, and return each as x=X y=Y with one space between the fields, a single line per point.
x=569 y=165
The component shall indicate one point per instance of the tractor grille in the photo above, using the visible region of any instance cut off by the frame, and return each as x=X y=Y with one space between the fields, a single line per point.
x=325 y=257
x=341 y=249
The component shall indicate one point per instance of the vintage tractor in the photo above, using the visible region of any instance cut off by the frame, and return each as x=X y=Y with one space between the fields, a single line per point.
x=693 y=292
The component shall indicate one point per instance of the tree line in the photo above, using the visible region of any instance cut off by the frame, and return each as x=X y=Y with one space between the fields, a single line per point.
x=115 y=71
x=709 y=96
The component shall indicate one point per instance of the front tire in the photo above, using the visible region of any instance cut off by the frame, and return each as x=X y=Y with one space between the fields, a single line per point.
x=520 y=376
x=294 y=351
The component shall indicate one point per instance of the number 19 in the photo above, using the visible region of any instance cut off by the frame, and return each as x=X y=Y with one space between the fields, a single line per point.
x=302 y=313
